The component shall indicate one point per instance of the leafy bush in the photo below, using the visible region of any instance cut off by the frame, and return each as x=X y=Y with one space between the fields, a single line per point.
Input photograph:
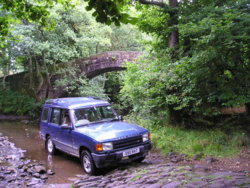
x=145 y=88
x=15 y=103
x=78 y=85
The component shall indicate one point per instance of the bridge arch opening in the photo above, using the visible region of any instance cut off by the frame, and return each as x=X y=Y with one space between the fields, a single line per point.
x=99 y=72
x=105 y=62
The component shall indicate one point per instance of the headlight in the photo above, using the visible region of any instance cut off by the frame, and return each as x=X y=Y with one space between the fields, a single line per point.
x=145 y=137
x=104 y=146
x=107 y=146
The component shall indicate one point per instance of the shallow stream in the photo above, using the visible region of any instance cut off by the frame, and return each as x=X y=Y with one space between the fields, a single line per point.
x=27 y=137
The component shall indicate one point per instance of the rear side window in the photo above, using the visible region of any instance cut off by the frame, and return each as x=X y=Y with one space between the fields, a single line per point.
x=55 y=116
x=45 y=115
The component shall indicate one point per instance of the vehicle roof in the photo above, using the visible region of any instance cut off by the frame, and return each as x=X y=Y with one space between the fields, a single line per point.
x=74 y=102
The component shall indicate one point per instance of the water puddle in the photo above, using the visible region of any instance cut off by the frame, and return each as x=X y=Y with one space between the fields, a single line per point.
x=27 y=137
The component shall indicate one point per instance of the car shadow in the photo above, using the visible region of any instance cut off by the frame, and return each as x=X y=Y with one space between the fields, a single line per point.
x=107 y=170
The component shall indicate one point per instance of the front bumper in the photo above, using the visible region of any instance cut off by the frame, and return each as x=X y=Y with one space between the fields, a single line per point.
x=112 y=158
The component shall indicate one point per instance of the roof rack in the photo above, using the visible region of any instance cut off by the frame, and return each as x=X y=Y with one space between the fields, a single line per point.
x=49 y=101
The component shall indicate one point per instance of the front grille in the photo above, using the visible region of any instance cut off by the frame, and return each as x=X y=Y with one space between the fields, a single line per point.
x=127 y=142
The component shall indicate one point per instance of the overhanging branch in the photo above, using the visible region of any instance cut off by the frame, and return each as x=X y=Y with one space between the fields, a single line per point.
x=161 y=4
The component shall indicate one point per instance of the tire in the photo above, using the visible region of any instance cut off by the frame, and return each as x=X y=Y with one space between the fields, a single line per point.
x=139 y=159
x=88 y=163
x=50 y=146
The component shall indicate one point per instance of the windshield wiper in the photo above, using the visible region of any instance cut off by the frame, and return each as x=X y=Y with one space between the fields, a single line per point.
x=114 y=119
x=101 y=121
x=82 y=125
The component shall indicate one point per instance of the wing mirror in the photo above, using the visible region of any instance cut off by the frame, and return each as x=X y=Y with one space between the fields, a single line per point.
x=120 y=117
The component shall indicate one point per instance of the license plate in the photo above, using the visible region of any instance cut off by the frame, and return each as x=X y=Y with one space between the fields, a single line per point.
x=130 y=152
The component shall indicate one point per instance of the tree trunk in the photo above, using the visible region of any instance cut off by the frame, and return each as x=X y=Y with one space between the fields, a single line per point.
x=5 y=58
x=6 y=73
x=30 y=73
x=49 y=87
x=174 y=35
x=97 y=48
x=173 y=38
x=248 y=108
x=40 y=80
x=48 y=80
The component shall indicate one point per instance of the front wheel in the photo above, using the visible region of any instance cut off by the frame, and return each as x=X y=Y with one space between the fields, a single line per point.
x=50 y=146
x=139 y=159
x=88 y=163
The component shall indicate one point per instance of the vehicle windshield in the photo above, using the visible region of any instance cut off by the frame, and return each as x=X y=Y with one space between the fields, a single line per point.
x=86 y=116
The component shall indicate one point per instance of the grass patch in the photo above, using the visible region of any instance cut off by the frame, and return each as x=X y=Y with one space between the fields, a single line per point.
x=136 y=178
x=142 y=171
x=213 y=142
x=211 y=176
x=228 y=177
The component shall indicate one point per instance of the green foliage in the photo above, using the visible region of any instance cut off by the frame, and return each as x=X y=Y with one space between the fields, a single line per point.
x=12 y=11
x=210 y=69
x=107 y=11
x=127 y=38
x=78 y=85
x=112 y=87
x=75 y=35
x=145 y=88
x=45 y=53
x=15 y=103
x=220 y=143
x=153 y=20
x=219 y=44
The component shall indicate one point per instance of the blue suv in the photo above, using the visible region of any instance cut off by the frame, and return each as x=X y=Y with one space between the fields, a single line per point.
x=90 y=129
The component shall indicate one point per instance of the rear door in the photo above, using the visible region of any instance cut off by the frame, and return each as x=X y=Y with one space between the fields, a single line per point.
x=44 y=121
x=65 y=138
x=54 y=126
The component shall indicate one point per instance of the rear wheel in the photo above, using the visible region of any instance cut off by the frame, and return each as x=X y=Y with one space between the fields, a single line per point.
x=88 y=163
x=50 y=146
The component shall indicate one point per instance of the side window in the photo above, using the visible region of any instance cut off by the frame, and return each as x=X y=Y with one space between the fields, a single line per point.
x=45 y=115
x=55 y=116
x=65 y=119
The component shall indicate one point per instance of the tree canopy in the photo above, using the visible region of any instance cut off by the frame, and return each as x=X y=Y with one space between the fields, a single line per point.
x=14 y=11
x=76 y=34
x=198 y=60
x=211 y=64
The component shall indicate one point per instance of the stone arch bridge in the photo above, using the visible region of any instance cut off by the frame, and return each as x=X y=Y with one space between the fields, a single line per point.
x=91 y=67
x=105 y=62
